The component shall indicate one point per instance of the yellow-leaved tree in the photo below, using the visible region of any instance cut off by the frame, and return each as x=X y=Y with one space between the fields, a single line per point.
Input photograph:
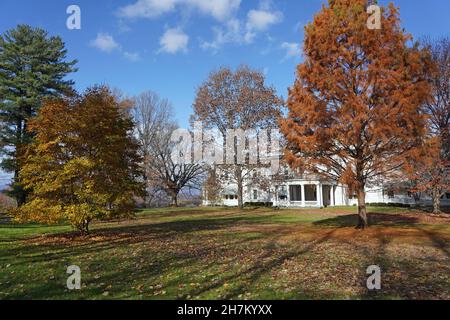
x=83 y=163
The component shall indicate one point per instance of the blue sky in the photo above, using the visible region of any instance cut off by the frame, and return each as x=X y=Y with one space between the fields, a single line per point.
x=170 y=46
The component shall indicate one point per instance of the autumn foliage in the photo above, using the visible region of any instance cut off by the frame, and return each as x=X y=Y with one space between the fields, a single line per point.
x=428 y=171
x=237 y=100
x=83 y=163
x=430 y=175
x=354 y=110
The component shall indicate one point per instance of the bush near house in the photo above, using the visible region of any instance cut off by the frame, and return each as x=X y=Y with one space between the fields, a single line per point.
x=382 y=204
x=259 y=204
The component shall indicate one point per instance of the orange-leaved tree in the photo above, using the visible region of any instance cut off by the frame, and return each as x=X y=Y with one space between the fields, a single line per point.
x=354 y=110
x=83 y=163
x=428 y=171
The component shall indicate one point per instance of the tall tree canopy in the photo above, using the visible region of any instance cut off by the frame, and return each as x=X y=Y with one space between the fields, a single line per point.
x=151 y=115
x=354 y=110
x=32 y=67
x=83 y=163
x=241 y=99
x=431 y=175
x=154 y=127
x=169 y=175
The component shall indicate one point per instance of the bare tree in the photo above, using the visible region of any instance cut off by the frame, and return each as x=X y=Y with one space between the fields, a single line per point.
x=438 y=108
x=237 y=100
x=154 y=127
x=170 y=175
x=151 y=114
x=432 y=174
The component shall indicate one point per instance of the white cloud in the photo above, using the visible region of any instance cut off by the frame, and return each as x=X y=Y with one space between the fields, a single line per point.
x=132 y=56
x=298 y=28
x=292 y=49
x=235 y=31
x=219 y=9
x=147 y=8
x=230 y=29
x=105 y=42
x=231 y=33
x=261 y=20
x=173 y=41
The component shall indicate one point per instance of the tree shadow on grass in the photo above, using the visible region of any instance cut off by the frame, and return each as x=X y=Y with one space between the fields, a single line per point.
x=375 y=219
x=408 y=277
x=271 y=260
x=118 y=269
x=413 y=273
x=67 y=244
x=438 y=241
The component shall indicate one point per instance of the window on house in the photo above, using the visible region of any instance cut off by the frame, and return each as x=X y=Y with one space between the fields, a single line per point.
x=282 y=194
x=255 y=194
x=391 y=194
x=295 y=193
x=311 y=192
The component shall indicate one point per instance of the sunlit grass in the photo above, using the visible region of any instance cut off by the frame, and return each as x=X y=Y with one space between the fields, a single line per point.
x=225 y=253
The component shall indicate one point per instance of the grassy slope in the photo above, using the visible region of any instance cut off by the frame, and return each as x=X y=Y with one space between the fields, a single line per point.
x=222 y=253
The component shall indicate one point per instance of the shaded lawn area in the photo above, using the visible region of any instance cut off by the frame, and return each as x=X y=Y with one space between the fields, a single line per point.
x=205 y=253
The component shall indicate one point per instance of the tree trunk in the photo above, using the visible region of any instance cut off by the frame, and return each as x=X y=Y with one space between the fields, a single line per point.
x=19 y=192
x=240 y=187
x=146 y=195
x=86 y=226
x=174 y=199
x=436 y=202
x=83 y=227
x=362 y=211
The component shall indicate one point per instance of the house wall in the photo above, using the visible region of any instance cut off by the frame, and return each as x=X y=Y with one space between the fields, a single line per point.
x=339 y=195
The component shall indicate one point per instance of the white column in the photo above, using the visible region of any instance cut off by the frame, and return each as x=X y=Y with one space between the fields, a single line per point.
x=288 y=191
x=319 y=195
x=332 y=196
x=303 y=195
x=275 y=200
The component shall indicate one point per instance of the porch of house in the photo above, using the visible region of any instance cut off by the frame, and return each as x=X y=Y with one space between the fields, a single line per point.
x=307 y=194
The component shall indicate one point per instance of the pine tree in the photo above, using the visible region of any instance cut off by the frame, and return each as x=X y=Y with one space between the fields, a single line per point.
x=32 y=67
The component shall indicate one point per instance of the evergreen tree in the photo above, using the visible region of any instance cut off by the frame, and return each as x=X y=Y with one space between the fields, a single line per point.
x=32 y=67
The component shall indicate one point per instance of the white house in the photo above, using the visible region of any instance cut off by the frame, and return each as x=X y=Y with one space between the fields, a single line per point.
x=311 y=191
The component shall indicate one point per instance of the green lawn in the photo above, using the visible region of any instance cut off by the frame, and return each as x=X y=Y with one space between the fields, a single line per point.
x=204 y=253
